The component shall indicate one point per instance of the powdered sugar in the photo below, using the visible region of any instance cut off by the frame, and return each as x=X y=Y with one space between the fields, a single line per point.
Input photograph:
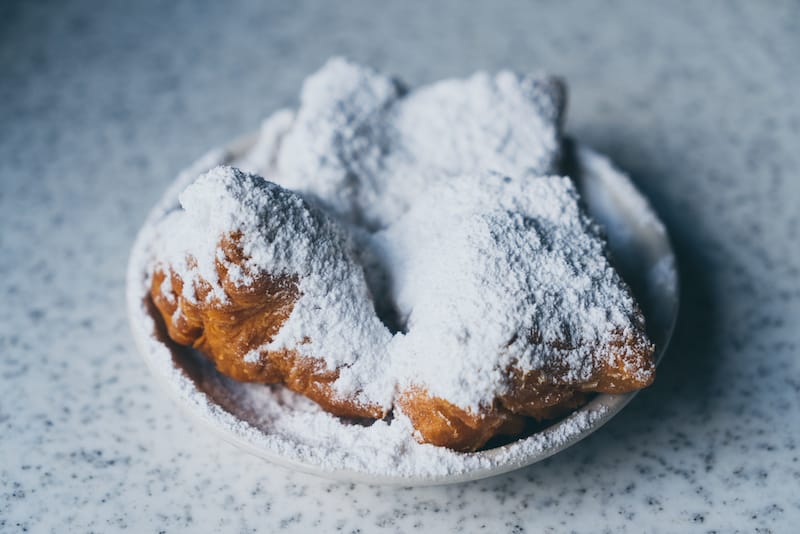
x=334 y=150
x=506 y=123
x=381 y=448
x=470 y=256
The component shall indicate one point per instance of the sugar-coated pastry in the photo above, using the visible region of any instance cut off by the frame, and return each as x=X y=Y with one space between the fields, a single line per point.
x=508 y=304
x=266 y=286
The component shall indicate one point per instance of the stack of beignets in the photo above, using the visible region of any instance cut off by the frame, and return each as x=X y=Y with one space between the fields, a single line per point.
x=365 y=148
x=418 y=258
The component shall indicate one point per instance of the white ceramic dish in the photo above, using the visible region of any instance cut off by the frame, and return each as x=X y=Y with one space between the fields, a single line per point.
x=641 y=251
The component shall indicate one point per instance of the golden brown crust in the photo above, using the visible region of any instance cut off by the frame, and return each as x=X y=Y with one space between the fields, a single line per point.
x=630 y=367
x=439 y=422
x=249 y=319
x=541 y=394
x=625 y=364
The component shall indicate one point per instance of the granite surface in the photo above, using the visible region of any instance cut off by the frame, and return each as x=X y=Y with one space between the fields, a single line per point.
x=101 y=103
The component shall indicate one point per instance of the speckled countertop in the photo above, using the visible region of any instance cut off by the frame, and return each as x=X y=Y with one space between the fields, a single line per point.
x=102 y=103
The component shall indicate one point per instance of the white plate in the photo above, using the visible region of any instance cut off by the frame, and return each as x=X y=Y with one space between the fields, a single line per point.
x=641 y=251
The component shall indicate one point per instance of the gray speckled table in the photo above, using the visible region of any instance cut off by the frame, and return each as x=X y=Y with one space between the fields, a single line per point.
x=102 y=103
